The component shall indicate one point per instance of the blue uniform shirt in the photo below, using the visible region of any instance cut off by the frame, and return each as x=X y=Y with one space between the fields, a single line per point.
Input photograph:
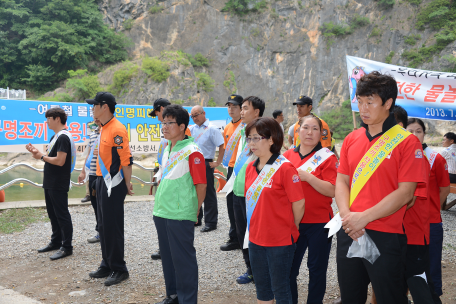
x=209 y=140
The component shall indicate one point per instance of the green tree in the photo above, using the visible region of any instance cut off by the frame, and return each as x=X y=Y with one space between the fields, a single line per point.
x=339 y=120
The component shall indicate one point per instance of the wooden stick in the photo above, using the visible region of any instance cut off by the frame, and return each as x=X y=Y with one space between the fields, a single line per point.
x=354 y=120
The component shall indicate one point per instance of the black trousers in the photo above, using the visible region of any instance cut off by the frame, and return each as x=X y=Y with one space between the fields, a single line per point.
x=178 y=255
x=452 y=178
x=93 y=199
x=229 y=205
x=386 y=274
x=210 y=202
x=57 y=210
x=240 y=215
x=110 y=214
x=417 y=275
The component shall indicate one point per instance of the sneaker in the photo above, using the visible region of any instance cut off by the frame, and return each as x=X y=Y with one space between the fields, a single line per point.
x=230 y=245
x=85 y=199
x=94 y=239
x=245 y=279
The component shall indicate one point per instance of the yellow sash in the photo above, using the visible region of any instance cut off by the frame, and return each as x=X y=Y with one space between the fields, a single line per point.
x=374 y=157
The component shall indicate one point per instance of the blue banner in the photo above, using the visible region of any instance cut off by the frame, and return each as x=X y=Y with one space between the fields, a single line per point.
x=23 y=122
x=423 y=94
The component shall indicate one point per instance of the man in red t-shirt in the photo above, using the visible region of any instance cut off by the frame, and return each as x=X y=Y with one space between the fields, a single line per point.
x=379 y=207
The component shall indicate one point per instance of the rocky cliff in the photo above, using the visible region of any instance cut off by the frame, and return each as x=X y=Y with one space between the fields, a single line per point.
x=277 y=54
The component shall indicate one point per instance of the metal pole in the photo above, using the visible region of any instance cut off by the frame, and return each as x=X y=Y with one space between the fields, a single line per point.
x=7 y=92
x=25 y=95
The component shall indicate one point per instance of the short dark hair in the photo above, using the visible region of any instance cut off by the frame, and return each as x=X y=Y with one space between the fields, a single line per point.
x=57 y=112
x=418 y=121
x=177 y=112
x=112 y=107
x=268 y=128
x=256 y=102
x=380 y=84
x=400 y=114
x=276 y=113
x=451 y=136
x=301 y=120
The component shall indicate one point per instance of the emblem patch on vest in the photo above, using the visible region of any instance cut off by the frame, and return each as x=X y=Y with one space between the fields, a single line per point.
x=418 y=153
x=118 y=140
x=197 y=161
x=296 y=179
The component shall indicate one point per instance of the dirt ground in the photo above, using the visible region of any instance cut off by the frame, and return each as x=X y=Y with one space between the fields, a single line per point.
x=52 y=281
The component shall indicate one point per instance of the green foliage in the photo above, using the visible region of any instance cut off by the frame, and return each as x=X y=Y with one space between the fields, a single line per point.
x=61 y=97
x=85 y=86
x=41 y=40
x=205 y=82
x=389 y=57
x=412 y=39
x=452 y=60
x=155 y=68
x=375 y=32
x=128 y=24
x=122 y=77
x=177 y=101
x=156 y=9
x=198 y=60
x=241 y=7
x=329 y=29
x=437 y=14
x=386 y=3
x=359 y=21
x=255 y=32
x=416 y=2
x=274 y=14
x=211 y=102
x=230 y=84
x=340 y=120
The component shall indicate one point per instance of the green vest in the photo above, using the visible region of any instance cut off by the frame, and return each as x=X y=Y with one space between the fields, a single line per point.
x=176 y=197
x=239 y=181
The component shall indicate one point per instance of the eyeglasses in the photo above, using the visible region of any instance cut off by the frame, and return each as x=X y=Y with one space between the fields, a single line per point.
x=254 y=139
x=167 y=124
x=196 y=115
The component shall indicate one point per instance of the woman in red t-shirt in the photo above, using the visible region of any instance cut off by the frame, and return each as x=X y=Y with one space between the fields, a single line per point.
x=275 y=207
x=437 y=191
x=318 y=178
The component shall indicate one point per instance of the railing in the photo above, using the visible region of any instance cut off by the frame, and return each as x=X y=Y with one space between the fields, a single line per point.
x=13 y=94
x=20 y=180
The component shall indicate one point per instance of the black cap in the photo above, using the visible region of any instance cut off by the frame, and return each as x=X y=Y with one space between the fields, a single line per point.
x=161 y=102
x=303 y=100
x=235 y=99
x=105 y=97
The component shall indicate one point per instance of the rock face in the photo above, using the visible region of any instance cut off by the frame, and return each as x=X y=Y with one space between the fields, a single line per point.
x=277 y=54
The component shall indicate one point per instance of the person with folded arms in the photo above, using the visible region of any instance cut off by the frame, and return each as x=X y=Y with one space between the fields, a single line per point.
x=318 y=171
x=275 y=207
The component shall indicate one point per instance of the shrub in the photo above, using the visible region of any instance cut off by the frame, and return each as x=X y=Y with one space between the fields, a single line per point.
x=386 y=3
x=375 y=32
x=128 y=24
x=452 y=60
x=359 y=21
x=155 y=68
x=340 y=120
x=416 y=2
x=122 y=77
x=412 y=39
x=198 y=60
x=84 y=85
x=389 y=57
x=205 y=82
x=438 y=14
x=211 y=102
x=156 y=9
x=330 y=29
x=241 y=7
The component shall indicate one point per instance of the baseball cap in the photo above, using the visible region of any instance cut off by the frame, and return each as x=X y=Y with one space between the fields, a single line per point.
x=235 y=99
x=105 y=97
x=303 y=100
x=161 y=102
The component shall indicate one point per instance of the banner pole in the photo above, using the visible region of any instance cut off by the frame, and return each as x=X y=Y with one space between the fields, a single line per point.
x=354 y=120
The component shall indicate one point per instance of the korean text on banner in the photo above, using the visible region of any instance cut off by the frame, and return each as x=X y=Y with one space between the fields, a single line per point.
x=423 y=94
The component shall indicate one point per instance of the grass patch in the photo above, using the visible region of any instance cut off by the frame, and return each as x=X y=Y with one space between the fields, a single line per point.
x=205 y=82
x=123 y=76
x=211 y=102
x=84 y=85
x=156 y=9
x=128 y=24
x=16 y=220
x=329 y=29
x=416 y=2
x=359 y=21
x=412 y=39
x=155 y=68
x=389 y=57
x=230 y=84
x=375 y=32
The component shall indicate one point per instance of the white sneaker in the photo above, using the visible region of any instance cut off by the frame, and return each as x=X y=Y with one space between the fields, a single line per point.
x=94 y=239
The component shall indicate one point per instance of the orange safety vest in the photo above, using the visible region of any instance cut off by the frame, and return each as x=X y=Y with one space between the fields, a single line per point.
x=325 y=139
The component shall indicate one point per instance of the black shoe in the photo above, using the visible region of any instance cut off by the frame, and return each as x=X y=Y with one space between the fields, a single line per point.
x=208 y=228
x=172 y=299
x=49 y=247
x=230 y=245
x=117 y=277
x=156 y=255
x=101 y=272
x=62 y=253
x=85 y=199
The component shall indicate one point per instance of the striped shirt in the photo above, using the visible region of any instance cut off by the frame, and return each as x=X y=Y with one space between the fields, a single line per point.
x=92 y=143
x=450 y=156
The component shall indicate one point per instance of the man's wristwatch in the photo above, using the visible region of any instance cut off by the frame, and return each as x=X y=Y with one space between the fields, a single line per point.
x=42 y=158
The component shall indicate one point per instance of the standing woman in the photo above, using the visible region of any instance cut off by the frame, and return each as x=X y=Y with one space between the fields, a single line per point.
x=317 y=171
x=438 y=189
x=275 y=207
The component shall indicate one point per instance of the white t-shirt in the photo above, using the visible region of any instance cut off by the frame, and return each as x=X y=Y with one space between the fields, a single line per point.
x=450 y=156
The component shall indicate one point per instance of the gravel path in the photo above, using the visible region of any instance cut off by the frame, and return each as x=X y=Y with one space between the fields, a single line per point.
x=36 y=276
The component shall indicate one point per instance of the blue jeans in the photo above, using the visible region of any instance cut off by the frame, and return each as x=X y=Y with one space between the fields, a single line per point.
x=271 y=267
x=435 y=256
x=314 y=237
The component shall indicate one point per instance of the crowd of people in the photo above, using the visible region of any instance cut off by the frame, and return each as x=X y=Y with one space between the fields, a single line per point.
x=389 y=187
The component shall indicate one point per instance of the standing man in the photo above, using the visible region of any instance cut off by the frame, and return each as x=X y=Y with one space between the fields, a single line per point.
x=112 y=185
x=231 y=136
x=449 y=142
x=59 y=163
x=278 y=116
x=178 y=200
x=159 y=106
x=90 y=168
x=304 y=107
x=208 y=138
x=380 y=167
